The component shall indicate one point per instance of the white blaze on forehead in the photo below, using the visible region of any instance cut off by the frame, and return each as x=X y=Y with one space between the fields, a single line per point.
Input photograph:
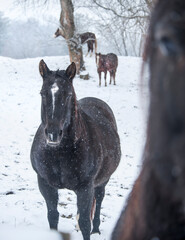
x=54 y=90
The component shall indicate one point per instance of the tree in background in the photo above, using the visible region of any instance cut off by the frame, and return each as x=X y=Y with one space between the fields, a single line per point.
x=122 y=22
x=68 y=32
x=31 y=38
x=120 y=25
x=67 y=29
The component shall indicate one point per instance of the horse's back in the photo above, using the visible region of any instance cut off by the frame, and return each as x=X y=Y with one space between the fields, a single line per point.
x=111 y=61
x=98 y=111
x=91 y=35
x=87 y=36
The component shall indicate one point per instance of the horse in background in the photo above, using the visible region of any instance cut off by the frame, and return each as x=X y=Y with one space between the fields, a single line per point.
x=156 y=206
x=108 y=62
x=76 y=147
x=90 y=39
x=87 y=37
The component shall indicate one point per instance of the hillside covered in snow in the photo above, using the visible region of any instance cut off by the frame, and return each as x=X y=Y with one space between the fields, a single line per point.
x=21 y=204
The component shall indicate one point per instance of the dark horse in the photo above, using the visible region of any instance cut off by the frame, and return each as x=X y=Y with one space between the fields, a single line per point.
x=156 y=206
x=106 y=63
x=76 y=147
x=87 y=37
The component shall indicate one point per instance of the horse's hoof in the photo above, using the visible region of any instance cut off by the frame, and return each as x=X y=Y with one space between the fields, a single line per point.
x=95 y=231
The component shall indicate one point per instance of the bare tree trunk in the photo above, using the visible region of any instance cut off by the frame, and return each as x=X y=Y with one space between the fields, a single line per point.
x=68 y=32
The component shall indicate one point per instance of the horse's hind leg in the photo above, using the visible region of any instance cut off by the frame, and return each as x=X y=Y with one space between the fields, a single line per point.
x=51 y=197
x=87 y=53
x=114 y=77
x=99 y=195
x=110 y=77
x=88 y=47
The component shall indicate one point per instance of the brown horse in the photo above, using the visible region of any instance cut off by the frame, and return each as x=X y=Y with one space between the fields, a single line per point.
x=70 y=149
x=106 y=63
x=156 y=206
x=87 y=37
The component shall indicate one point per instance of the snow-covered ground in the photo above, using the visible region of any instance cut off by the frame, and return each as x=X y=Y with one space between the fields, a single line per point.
x=21 y=204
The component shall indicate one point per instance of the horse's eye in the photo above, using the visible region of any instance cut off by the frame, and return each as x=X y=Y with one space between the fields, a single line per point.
x=168 y=46
x=166 y=41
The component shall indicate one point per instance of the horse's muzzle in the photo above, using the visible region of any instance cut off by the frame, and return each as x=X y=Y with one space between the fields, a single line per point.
x=53 y=139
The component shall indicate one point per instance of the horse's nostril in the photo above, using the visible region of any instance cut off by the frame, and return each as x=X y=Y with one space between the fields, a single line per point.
x=60 y=133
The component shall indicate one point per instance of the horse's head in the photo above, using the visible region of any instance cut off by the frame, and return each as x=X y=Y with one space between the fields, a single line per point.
x=57 y=33
x=98 y=57
x=166 y=54
x=57 y=101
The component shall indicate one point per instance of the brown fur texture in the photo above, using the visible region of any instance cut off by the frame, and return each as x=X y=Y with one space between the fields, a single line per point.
x=156 y=206
x=107 y=63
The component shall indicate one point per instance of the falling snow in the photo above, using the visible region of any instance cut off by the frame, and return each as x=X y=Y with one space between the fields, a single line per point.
x=21 y=204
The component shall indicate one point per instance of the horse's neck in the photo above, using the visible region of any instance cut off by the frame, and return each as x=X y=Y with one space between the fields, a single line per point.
x=77 y=122
x=81 y=126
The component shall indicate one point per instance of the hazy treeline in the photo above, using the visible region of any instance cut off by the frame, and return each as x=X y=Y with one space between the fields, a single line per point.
x=122 y=23
x=120 y=27
x=25 y=39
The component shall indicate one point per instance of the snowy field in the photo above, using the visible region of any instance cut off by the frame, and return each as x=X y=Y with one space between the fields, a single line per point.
x=21 y=204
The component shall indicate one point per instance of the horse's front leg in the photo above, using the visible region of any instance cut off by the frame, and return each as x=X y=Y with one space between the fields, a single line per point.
x=88 y=49
x=50 y=195
x=105 y=78
x=99 y=194
x=99 y=73
x=91 y=47
x=84 y=203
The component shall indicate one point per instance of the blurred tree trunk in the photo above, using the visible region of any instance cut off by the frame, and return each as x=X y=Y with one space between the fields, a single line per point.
x=68 y=32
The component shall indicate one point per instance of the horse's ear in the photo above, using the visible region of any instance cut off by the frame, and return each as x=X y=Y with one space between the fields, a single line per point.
x=43 y=68
x=71 y=71
x=57 y=31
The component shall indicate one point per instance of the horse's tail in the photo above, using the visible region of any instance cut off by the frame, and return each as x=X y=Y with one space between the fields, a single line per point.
x=95 y=44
